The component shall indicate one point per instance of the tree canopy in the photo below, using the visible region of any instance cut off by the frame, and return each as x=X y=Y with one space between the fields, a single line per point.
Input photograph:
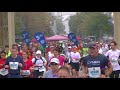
x=33 y=22
x=91 y=24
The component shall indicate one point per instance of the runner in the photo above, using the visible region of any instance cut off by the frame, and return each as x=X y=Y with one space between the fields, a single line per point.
x=8 y=53
x=3 y=71
x=104 y=48
x=94 y=65
x=33 y=55
x=24 y=49
x=85 y=50
x=14 y=63
x=28 y=66
x=54 y=64
x=51 y=53
x=114 y=56
x=58 y=56
x=65 y=49
x=64 y=72
x=75 y=64
x=100 y=48
x=16 y=47
x=29 y=54
x=39 y=65
x=30 y=47
x=67 y=61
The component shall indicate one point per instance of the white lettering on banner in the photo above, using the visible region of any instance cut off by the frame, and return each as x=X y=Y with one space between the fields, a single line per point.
x=26 y=72
x=70 y=36
x=13 y=65
x=38 y=38
x=42 y=41
x=94 y=72
x=27 y=40
x=41 y=35
x=24 y=35
x=74 y=40
x=3 y=71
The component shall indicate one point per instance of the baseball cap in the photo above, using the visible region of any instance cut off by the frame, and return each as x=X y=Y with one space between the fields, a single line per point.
x=69 y=47
x=38 y=52
x=75 y=46
x=51 y=46
x=92 y=46
x=63 y=55
x=54 y=60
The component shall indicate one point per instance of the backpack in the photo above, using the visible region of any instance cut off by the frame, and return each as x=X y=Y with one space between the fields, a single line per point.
x=37 y=59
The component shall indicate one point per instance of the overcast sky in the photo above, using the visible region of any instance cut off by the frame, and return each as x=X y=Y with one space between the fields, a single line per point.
x=65 y=13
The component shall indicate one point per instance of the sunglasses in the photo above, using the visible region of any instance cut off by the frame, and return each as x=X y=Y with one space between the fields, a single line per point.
x=53 y=64
x=38 y=54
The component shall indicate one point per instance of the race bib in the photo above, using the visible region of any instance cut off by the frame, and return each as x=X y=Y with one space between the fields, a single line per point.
x=26 y=72
x=114 y=62
x=74 y=60
x=94 y=72
x=41 y=64
x=13 y=65
x=3 y=71
x=41 y=68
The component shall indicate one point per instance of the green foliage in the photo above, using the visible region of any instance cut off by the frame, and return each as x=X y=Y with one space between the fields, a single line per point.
x=90 y=23
x=18 y=26
x=33 y=22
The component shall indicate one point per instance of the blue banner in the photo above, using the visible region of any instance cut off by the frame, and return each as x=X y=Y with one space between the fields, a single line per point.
x=73 y=38
x=25 y=35
x=27 y=40
x=40 y=38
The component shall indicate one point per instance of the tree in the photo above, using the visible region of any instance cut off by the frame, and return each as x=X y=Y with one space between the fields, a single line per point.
x=33 y=22
x=17 y=26
x=89 y=23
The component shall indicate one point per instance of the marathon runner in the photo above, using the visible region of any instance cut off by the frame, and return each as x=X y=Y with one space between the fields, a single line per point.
x=114 y=57
x=64 y=72
x=94 y=65
x=3 y=71
x=28 y=66
x=14 y=63
x=39 y=65
x=75 y=61
x=53 y=73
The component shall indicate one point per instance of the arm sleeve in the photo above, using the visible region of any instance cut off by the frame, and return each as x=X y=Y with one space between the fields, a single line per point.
x=33 y=60
x=63 y=58
x=119 y=54
x=44 y=60
x=107 y=54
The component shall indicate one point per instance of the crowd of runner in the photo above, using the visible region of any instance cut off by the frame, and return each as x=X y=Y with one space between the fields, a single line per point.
x=60 y=60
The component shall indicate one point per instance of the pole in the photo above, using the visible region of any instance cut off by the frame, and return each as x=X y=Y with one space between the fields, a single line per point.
x=11 y=29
